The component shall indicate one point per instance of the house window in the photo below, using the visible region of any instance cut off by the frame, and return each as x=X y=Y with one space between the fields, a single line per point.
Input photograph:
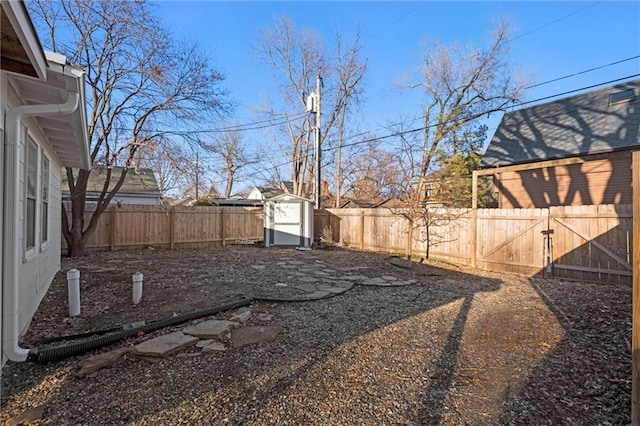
x=45 y=199
x=619 y=97
x=31 y=195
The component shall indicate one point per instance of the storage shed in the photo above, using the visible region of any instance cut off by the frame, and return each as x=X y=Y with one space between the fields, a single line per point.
x=288 y=221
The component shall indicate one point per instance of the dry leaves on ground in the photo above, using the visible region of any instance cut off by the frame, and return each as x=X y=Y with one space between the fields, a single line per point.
x=457 y=347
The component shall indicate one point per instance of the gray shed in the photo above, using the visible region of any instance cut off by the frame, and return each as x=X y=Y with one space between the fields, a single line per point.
x=288 y=221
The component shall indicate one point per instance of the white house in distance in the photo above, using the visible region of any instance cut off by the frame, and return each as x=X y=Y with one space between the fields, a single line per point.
x=43 y=127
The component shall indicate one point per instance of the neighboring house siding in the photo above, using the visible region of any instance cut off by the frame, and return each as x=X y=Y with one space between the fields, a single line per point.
x=569 y=152
x=600 y=181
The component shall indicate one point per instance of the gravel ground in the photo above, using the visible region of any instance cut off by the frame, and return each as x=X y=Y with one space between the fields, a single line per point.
x=457 y=347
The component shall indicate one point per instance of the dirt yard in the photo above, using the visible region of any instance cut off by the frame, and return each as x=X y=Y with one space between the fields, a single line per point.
x=448 y=346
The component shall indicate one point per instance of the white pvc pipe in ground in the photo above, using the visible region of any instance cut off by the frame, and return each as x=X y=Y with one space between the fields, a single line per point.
x=73 y=290
x=137 y=287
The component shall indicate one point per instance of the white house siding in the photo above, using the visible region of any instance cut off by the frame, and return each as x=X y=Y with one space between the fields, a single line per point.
x=39 y=265
x=3 y=90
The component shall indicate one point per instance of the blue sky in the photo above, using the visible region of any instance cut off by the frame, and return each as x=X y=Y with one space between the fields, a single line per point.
x=551 y=40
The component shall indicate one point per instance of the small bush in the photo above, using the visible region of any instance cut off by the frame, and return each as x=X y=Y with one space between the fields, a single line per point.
x=326 y=236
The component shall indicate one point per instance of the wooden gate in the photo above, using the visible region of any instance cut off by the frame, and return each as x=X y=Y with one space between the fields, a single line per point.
x=591 y=243
x=511 y=240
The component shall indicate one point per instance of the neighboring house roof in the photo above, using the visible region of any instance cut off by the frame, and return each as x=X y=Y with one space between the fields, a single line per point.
x=237 y=202
x=353 y=203
x=596 y=122
x=137 y=181
x=264 y=193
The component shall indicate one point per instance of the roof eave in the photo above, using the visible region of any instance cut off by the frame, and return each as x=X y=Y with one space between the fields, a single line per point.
x=67 y=133
x=18 y=15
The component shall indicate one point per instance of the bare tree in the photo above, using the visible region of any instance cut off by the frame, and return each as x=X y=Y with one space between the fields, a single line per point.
x=232 y=153
x=350 y=70
x=170 y=167
x=139 y=81
x=372 y=173
x=460 y=87
x=298 y=56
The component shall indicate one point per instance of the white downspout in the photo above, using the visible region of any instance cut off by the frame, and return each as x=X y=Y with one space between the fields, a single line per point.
x=12 y=248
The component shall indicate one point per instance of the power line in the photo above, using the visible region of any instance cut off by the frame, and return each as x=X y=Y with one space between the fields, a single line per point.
x=582 y=72
x=576 y=90
x=243 y=127
x=423 y=128
x=516 y=105
x=553 y=22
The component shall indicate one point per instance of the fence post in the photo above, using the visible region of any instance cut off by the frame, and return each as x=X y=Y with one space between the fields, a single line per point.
x=635 y=334
x=172 y=227
x=113 y=228
x=361 y=231
x=474 y=218
x=222 y=225
x=409 y=238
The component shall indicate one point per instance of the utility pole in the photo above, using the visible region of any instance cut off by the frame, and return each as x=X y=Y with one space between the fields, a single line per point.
x=317 y=142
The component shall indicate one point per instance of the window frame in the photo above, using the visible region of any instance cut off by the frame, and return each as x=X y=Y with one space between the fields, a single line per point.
x=31 y=163
x=622 y=97
x=45 y=168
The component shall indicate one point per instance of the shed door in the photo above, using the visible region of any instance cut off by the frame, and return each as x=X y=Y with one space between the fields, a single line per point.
x=287 y=224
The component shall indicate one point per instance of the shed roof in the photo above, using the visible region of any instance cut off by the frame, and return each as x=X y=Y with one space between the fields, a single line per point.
x=588 y=123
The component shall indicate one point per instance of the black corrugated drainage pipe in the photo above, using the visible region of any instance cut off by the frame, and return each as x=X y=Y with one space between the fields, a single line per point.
x=57 y=353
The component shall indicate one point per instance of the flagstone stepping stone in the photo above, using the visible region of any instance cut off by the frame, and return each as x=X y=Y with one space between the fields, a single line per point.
x=354 y=277
x=388 y=278
x=375 y=281
x=215 y=347
x=252 y=335
x=306 y=287
x=166 y=345
x=259 y=267
x=347 y=285
x=316 y=295
x=103 y=360
x=30 y=416
x=296 y=262
x=213 y=329
x=202 y=343
x=282 y=285
x=308 y=279
x=332 y=289
x=241 y=317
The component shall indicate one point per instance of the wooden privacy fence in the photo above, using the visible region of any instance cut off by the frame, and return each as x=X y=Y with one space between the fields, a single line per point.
x=591 y=243
x=135 y=226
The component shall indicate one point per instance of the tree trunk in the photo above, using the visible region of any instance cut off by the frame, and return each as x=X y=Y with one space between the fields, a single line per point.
x=75 y=241
x=74 y=232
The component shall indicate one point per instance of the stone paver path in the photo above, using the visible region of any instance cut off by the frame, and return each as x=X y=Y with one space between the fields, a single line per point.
x=308 y=280
x=314 y=280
